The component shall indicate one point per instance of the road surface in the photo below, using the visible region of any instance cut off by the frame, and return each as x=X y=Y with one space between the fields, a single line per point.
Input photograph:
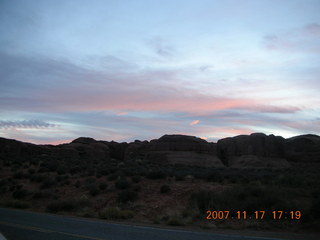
x=24 y=225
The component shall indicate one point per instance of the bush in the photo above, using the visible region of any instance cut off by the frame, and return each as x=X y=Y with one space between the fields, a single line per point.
x=17 y=204
x=86 y=212
x=246 y=198
x=20 y=194
x=136 y=188
x=179 y=177
x=103 y=186
x=175 y=221
x=48 y=182
x=315 y=209
x=62 y=205
x=77 y=184
x=156 y=174
x=94 y=190
x=19 y=175
x=165 y=189
x=42 y=194
x=114 y=213
x=122 y=184
x=37 y=178
x=84 y=201
x=127 y=196
x=136 y=179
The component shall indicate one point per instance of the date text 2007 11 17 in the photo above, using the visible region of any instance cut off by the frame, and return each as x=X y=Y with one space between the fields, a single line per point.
x=243 y=215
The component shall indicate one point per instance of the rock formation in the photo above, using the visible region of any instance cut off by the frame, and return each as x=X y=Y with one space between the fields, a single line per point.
x=175 y=149
x=304 y=148
x=255 y=150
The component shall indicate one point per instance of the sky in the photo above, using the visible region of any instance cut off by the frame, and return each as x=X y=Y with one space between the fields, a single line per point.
x=139 y=69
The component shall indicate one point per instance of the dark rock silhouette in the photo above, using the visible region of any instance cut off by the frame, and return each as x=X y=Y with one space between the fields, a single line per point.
x=255 y=150
x=304 y=148
x=173 y=149
x=181 y=143
x=16 y=150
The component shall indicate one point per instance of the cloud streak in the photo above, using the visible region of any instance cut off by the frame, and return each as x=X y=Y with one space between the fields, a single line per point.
x=195 y=122
x=26 y=124
x=303 y=39
x=60 y=86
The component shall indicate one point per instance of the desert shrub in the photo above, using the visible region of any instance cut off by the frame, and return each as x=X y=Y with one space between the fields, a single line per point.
x=20 y=194
x=66 y=182
x=213 y=177
x=248 y=198
x=43 y=170
x=136 y=188
x=52 y=166
x=104 y=171
x=17 y=204
x=98 y=175
x=175 y=221
x=37 y=178
x=93 y=189
x=18 y=175
x=112 y=176
x=156 y=174
x=115 y=213
x=74 y=170
x=42 y=194
x=103 y=186
x=291 y=181
x=62 y=205
x=136 y=179
x=90 y=172
x=179 y=177
x=59 y=178
x=3 y=189
x=3 y=182
x=122 y=184
x=315 y=209
x=91 y=180
x=165 y=189
x=62 y=169
x=86 y=212
x=48 y=182
x=127 y=196
x=77 y=184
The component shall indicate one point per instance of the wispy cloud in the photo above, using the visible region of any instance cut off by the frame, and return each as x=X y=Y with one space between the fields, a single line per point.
x=27 y=124
x=303 y=39
x=161 y=47
x=195 y=122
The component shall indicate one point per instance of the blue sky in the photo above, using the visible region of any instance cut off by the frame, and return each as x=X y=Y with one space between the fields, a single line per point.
x=125 y=70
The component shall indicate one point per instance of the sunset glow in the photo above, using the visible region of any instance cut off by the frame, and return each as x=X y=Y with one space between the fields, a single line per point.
x=126 y=70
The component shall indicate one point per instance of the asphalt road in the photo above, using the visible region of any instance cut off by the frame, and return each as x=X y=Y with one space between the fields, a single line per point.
x=24 y=225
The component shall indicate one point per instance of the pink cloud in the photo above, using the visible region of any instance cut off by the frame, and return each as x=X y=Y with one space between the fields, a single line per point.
x=121 y=113
x=273 y=109
x=195 y=122
x=122 y=100
x=312 y=29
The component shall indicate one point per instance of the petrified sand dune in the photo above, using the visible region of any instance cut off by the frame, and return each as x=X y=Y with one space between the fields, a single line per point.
x=255 y=150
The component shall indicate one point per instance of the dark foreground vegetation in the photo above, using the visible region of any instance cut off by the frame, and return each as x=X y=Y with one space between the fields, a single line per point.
x=142 y=190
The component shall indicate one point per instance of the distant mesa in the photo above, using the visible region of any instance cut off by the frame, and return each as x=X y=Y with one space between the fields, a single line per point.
x=256 y=150
x=84 y=140
x=304 y=148
x=177 y=149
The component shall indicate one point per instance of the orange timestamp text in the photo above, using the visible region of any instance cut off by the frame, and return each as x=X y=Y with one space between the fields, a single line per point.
x=259 y=214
